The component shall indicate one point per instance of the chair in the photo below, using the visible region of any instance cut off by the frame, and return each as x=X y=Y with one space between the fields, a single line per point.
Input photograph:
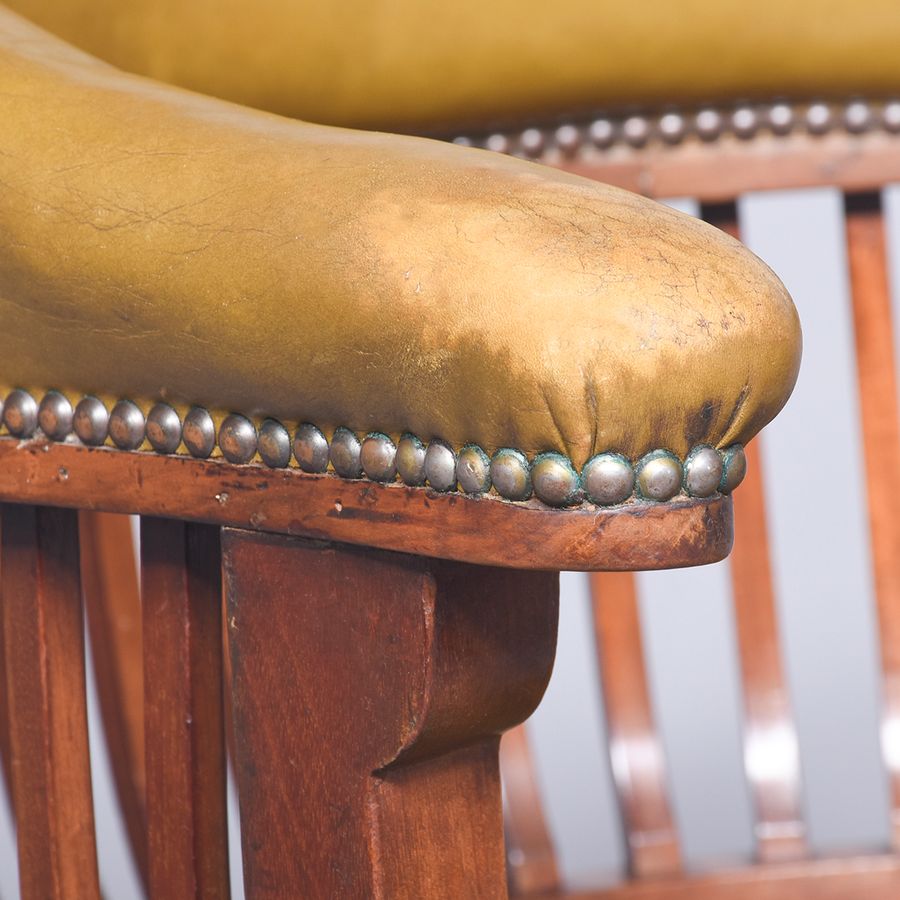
x=376 y=390
x=717 y=153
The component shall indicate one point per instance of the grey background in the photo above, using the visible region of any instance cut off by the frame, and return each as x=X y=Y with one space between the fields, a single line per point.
x=815 y=494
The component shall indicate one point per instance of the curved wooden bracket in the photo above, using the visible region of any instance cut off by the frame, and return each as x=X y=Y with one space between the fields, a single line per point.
x=370 y=690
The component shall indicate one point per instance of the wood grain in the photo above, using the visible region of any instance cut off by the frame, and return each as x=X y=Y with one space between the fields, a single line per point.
x=529 y=849
x=635 y=747
x=771 y=751
x=181 y=590
x=40 y=594
x=876 y=367
x=370 y=690
x=486 y=531
x=112 y=602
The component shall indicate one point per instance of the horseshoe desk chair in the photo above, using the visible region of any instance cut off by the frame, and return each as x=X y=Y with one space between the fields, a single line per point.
x=387 y=387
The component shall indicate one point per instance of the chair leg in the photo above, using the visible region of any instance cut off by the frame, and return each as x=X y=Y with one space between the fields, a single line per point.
x=370 y=690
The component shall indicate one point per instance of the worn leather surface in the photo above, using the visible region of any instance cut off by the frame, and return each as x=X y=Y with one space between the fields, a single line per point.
x=156 y=243
x=415 y=64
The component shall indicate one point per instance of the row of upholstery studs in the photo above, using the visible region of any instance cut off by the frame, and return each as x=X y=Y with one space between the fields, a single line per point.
x=606 y=479
x=744 y=121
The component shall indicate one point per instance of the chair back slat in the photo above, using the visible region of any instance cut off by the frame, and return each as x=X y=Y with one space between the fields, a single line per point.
x=638 y=761
x=113 y=608
x=181 y=591
x=872 y=321
x=43 y=627
x=771 y=753
x=530 y=852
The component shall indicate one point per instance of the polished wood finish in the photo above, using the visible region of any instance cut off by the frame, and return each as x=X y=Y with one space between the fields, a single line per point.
x=728 y=167
x=370 y=690
x=636 y=751
x=850 y=878
x=181 y=590
x=113 y=607
x=486 y=531
x=529 y=848
x=40 y=595
x=771 y=752
x=876 y=366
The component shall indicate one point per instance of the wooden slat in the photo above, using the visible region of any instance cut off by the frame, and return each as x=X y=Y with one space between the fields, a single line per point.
x=44 y=638
x=529 y=849
x=181 y=591
x=771 y=754
x=848 y=878
x=867 y=259
x=113 y=607
x=638 y=762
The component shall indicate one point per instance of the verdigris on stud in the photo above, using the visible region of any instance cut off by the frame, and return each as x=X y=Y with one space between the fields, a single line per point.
x=163 y=428
x=90 y=421
x=659 y=475
x=310 y=448
x=55 y=416
x=20 y=413
x=555 y=480
x=199 y=432
x=274 y=444
x=377 y=455
x=511 y=474
x=440 y=466
x=473 y=470
x=608 y=479
x=344 y=453
x=126 y=425
x=734 y=468
x=410 y=460
x=702 y=471
x=237 y=439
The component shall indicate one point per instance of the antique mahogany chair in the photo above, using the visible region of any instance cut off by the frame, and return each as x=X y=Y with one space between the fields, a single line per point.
x=387 y=387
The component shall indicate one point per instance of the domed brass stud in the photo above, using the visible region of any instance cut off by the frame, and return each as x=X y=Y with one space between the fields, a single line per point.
x=126 y=425
x=499 y=143
x=163 y=428
x=857 y=116
x=237 y=439
x=473 y=470
x=378 y=455
x=744 y=121
x=708 y=124
x=532 y=142
x=511 y=474
x=55 y=416
x=636 y=131
x=890 y=116
x=90 y=421
x=659 y=476
x=20 y=413
x=608 y=479
x=555 y=480
x=734 y=468
x=440 y=466
x=702 y=471
x=199 y=432
x=410 y=460
x=672 y=127
x=602 y=133
x=274 y=444
x=310 y=448
x=819 y=118
x=568 y=139
x=781 y=118
x=344 y=453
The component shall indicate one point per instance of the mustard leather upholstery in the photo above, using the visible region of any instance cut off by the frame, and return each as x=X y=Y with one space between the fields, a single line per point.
x=414 y=65
x=158 y=244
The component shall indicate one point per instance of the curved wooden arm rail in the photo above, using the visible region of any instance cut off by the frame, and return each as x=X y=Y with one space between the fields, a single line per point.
x=486 y=531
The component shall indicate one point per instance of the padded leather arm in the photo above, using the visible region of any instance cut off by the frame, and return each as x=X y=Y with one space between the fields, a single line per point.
x=156 y=243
